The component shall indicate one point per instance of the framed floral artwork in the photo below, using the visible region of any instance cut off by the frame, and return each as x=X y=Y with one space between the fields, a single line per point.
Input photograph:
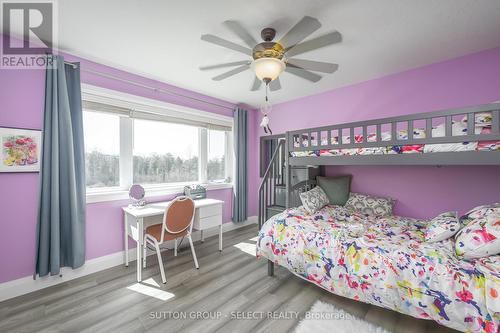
x=20 y=150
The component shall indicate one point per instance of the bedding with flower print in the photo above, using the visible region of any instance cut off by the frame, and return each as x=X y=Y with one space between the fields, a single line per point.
x=388 y=264
x=488 y=145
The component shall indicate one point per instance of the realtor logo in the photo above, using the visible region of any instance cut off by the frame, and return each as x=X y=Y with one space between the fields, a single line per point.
x=28 y=33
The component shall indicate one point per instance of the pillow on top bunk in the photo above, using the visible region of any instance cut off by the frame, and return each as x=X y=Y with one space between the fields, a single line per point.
x=313 y=200
x=336 y=188
x=370 y=205
x=479 y=211
x=442 y=227
x=481 y=238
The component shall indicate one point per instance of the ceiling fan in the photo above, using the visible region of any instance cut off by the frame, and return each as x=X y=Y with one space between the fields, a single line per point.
x=270 y=58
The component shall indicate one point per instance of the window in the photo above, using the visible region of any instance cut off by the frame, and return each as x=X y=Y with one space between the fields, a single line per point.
x=165 y=152
x=157 y=148
x=216 y=161
x=102 y=149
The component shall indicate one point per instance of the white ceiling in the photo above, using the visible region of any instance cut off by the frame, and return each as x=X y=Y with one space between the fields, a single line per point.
x=161 y=39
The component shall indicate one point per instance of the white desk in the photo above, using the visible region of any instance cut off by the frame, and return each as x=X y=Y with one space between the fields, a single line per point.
x=208 y=214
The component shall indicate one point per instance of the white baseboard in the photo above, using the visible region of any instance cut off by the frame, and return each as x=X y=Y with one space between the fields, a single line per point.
x=18 y=287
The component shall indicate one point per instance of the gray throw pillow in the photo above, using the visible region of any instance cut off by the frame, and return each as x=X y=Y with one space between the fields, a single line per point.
x=370 y=205
x=313 y=200
x=336 y=188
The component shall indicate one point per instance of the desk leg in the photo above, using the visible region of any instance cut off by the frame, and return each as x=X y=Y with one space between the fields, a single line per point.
x=125 y=232
x=220 y=238
x=201 y=235
x=140 y=241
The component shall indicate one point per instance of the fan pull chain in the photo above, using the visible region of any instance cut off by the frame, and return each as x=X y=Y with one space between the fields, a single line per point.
x=267 y=87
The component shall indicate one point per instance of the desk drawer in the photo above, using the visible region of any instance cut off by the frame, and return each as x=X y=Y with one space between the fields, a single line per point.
x=208 y=211
x=207 y=222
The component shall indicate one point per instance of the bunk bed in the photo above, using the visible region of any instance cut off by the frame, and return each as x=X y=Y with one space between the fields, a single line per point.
x=388 y=264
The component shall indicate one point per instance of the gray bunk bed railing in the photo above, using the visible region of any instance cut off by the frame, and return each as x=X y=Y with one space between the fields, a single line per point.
x=302 y=140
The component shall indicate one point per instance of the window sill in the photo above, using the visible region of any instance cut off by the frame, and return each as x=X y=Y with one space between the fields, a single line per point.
x=94 y=196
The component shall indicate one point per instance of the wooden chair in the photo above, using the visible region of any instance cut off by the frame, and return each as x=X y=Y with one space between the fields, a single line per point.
x=177 y=223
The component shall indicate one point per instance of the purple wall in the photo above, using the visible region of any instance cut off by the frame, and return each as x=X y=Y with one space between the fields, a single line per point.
x=420 y=191
x=21 y=105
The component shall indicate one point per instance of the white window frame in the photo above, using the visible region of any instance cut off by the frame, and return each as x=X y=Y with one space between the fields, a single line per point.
x=133 y=102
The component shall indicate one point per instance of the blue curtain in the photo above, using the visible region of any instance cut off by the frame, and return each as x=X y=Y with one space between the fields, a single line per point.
x=240 y=200
x=61 y=210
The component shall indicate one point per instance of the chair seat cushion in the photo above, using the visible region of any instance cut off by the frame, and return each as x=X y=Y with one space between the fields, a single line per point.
x=155 y=231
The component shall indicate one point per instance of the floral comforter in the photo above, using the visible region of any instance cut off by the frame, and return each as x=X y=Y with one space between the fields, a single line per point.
x=386 y=262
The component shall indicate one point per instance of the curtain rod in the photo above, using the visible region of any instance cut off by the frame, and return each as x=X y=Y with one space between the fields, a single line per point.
x=109 y=76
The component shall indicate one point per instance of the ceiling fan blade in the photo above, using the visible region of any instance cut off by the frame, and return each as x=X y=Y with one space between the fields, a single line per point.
x=275 y=84
x=313 y=44
x=225 y=43
x=306 y=26
x=256 y=84
x=305 y=74
x=241 y=32
x=231 y=73
x=227 y=64
x=317 y=66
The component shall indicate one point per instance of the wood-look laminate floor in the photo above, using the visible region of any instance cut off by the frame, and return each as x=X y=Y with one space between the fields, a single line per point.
x=228 y=284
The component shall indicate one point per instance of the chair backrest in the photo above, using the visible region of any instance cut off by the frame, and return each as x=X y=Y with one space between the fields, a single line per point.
x=178 y=216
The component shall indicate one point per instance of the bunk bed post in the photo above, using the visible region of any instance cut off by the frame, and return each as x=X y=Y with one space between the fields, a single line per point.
x=270 y=268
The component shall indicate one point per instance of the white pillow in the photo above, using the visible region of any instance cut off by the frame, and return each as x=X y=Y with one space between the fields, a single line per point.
x=314 y=199
x=480 y=238
x=442 y=227
x=479 y=211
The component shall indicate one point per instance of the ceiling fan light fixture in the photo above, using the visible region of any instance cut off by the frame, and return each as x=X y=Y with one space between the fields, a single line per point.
x=268 y=69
